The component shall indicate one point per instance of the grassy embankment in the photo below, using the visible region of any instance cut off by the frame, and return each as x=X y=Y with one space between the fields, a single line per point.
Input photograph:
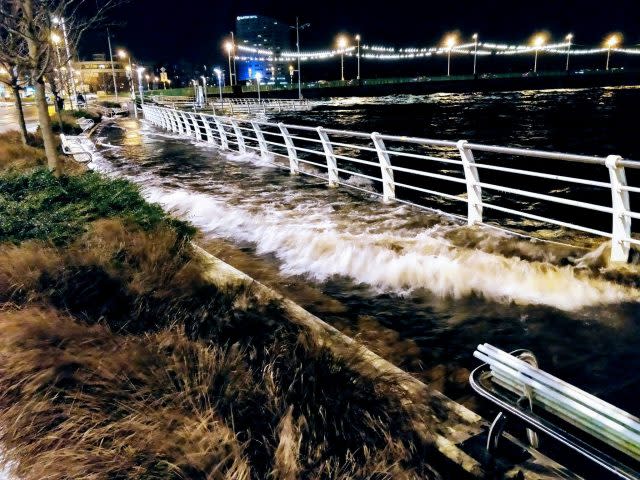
x=118 y=360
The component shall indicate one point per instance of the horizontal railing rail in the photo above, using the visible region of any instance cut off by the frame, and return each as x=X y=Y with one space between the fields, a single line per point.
x=484 y=178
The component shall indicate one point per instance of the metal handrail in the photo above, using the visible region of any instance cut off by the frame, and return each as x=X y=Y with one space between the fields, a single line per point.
x=383 y=152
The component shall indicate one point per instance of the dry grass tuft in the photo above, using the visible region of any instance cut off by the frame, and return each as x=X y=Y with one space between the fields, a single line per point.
x=82 y=402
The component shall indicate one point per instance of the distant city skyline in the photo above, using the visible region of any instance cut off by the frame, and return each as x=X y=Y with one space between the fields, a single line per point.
x=195 y=32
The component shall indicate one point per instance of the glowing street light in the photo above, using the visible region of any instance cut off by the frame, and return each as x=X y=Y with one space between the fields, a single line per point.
x=229 y=47
x=342 y=44
x=358 y=40
x=538 y=41
x=611 y=42
x=139 y=70
x=568 y=38
x=258 y=78
x=129 y=69
x=475 y=52
x=450 y=42
x=218 y=73
x=204 y=86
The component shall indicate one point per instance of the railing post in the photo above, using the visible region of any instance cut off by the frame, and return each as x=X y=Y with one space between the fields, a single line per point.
x=175 y=121
x=621 y=228
x=474 y=191
x=196 y=127
x=207 y=128
x=236 y=128
x=224 y=143
x=294 y=166
x=182 y=127
x=388 y=184
x=332 y=165
x=264 y=150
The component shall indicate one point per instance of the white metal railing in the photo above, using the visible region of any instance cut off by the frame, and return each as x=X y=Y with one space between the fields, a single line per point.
x=253 y=105
x=396 y=163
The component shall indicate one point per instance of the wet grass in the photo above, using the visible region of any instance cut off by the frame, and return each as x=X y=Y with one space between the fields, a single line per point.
x=36 y=205
x=119 y=360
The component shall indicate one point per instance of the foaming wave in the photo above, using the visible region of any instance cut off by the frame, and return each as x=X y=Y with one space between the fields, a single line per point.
x=400 y=262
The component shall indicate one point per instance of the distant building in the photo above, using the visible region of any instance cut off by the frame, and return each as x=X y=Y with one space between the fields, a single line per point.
x=96 y=75
x=262 y=32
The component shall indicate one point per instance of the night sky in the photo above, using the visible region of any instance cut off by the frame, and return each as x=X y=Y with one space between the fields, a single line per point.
x=193 y=30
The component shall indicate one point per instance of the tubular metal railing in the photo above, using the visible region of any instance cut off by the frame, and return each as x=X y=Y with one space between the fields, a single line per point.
x=253 y=105
x=390 y=163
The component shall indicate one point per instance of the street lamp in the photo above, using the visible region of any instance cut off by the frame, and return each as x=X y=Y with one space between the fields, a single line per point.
x=342 y=44
x=147 y=78
x=611 y=42
x=229 y=46
x=140 y=90
x=204 y=86
x=450 y=42
x=475 y=52
x=258 y=78
x=538 y=41
x=568 y=38
x=218 y=73
x=299 y=27
x=122 y=54
x=290 y=74
x=358 y=40
x=60 y=21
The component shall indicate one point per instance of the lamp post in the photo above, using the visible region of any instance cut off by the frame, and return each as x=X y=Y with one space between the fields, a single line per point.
x=612 y=41
x=258 y=78
x=218 y=73
x=450 y=43
x=538 y=41
x=229 y=46
x=74 y=99
x=568 y=38
x=290 y=74
x=140 y=89
x=475 y=53
x=204 y=86
x=122 y=54
x=358 y=40
x=299 y=27
x=342 y=44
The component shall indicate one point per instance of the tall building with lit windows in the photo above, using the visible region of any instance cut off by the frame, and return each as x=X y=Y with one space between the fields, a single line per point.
x=257 y=31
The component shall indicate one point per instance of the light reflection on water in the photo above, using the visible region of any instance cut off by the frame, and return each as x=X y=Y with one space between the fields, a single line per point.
x=419 y=290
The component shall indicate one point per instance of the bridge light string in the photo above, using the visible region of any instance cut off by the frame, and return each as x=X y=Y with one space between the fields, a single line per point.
x=379 y=52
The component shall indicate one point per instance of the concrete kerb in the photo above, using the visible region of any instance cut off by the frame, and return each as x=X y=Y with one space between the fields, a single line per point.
x=460 y=424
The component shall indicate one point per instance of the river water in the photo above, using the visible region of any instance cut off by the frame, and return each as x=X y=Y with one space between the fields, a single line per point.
x=418 y=288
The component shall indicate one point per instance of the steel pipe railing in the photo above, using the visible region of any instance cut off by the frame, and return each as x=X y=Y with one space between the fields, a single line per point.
x=380 y=157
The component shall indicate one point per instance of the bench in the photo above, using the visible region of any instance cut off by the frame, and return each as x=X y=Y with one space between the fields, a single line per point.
x=85 y=124
x=81 y=147
x=595 y=429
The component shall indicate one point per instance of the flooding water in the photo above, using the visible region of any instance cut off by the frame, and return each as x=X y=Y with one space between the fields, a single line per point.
x=418 y=288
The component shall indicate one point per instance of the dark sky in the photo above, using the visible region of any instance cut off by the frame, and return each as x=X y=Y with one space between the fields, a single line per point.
x=192 y=30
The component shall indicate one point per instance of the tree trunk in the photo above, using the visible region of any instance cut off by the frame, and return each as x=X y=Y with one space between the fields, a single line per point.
x=45 y=128
x=34 y=45
x=21 y=123
x=54 y=92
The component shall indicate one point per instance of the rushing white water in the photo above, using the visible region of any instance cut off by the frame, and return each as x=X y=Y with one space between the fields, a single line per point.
x=320 y=233
x=312 y=240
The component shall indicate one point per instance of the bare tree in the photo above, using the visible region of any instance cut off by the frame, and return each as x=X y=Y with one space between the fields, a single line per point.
x=32 y=22
x=13 y=77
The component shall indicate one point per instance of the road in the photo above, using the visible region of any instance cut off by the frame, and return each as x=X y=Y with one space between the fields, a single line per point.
x=9 y=117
